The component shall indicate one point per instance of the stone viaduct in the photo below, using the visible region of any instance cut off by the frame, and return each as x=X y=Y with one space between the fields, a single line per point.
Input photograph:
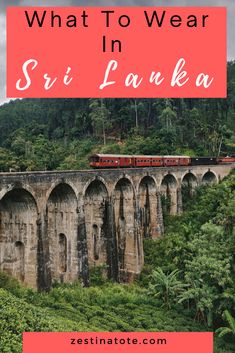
x=56 y=226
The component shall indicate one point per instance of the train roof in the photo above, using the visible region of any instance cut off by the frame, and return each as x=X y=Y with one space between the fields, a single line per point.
x=204 y=157
x=171 y=156
x=157 y=156
x=100 y=155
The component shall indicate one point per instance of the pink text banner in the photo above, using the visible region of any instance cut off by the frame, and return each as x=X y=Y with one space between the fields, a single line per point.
x=116 y=52
x=116 y=342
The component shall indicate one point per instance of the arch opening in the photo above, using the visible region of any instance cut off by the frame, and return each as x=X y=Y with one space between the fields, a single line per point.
x=61 y=219
x=18 y=235
x=209 y=178
x=63 y=253
x=19 y=266
x=188 y=187
x=128 y=241
x=169 y=196
x=95 y=242
x=96 y=219
x=148 y=208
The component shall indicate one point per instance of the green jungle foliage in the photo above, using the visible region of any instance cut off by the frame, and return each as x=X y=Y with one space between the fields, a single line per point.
x=194 y=263
x=187 y=284
x=46 y=134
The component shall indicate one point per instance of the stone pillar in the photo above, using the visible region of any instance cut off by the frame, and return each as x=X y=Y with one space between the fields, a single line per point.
x=44 y=280
x=138 y=243
x=147 y=203
x=83 y=268
x=110 y=236
x=127 y=230
x=159 y=213
x=174 y=201
x=179 y=201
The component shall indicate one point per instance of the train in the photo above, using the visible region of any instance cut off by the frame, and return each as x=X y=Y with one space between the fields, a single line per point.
x=137 y=161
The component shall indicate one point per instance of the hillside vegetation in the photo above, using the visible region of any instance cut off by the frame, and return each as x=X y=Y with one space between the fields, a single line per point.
x=45 y=134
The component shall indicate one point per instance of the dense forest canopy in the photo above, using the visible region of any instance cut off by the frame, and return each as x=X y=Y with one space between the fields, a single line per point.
x=45 y=134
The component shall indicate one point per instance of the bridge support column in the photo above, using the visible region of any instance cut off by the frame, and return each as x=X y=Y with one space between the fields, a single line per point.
x=147 y=203
x=44 y=280
x=82 y=252
x=173 y=201
x=127 y=220
x=110 y=235
x=159 y=213
x=179 y=201
x=138 y=241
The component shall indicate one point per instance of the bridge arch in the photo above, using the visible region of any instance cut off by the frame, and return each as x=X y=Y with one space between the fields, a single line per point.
x=18 y=235
x=62 y=233
x=89 y=182
x=18 y=186
x=56 y=183
x=96 y=208
x=169 y=192
x=127 y=178
x=148 y=204
x=189 y=183
x=189 y=176
x=209 y=177
x=128 y=247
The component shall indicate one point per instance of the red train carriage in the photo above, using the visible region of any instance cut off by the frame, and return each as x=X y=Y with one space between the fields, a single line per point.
x=147 y=161
x=224 y=160
x=141 y=161
x=111 y=161
x=170 y=161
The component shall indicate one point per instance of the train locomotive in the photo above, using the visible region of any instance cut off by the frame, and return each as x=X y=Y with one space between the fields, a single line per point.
x=142 y=161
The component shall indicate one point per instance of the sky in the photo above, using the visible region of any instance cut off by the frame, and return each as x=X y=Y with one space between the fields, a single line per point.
x=230 y=4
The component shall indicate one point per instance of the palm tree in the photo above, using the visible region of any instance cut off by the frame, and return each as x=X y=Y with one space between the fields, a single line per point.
x=230 y=329
x=166 y=286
